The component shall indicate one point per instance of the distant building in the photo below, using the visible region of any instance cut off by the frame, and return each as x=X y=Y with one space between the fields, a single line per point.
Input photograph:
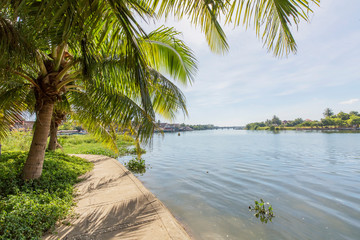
x=169 y=127
x=23 y=125
x=187 y=128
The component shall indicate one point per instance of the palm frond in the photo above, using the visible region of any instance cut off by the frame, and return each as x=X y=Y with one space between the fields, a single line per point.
x=272 y=20
x=167 y=97
x=15 y=100
x=166 y=52
x=202 y=13
x=15 y=46
x=116 y=108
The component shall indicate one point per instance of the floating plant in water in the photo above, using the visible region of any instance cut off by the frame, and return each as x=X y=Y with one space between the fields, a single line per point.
x=137 y=165
x=263 y=210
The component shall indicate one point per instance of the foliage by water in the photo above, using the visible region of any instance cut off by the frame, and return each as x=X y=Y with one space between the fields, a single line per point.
x=330 y=120
x=73 y=144
x=263 y=211
x=29 y=208
x=137 y=165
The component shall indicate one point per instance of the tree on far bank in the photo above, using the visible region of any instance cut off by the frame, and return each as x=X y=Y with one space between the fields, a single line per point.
x=268 y=122
x=276 y=120
x=343 y=116
x=328 y=112
x=354 y=121
x=328 y=121
x=315 y=124
x=356 y=113
x=336 y=120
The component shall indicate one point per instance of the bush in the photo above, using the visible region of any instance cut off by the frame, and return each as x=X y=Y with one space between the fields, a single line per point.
x=28 y=215
x=11 y=165
x=29 y=208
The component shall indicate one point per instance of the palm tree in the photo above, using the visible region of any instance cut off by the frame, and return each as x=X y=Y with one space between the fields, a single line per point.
x=167 y=99
x=70 y=52
x=328 y=112
x=50 y=46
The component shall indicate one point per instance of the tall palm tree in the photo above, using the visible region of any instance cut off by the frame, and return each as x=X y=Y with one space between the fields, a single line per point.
x=49 y=44
x=328 y=112
x=163 y=49
x=53 y=45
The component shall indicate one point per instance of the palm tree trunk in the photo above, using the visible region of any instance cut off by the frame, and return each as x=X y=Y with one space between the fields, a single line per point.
x=53 y=135
x=34 y=163
x=57 y=118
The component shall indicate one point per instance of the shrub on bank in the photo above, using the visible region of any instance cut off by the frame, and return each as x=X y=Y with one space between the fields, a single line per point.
x=29 y=208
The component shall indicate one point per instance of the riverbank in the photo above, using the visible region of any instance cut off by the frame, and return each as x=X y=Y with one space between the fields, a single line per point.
x=113 y=204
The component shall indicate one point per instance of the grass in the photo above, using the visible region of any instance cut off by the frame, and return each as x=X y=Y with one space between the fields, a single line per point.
x=86 y=144
x=17 y=141
x=29 y=208
x=72 y=144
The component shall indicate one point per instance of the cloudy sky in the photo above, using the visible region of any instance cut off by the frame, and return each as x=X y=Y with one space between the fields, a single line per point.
x=248 y=84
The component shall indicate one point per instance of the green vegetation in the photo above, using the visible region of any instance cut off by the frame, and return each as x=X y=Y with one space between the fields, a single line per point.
x=330 y=121
x=87 y=144
x=202 y=127
x=263 y=210
x=74 y=144
x=136 y=165
x=16 y=141
x=29 y=208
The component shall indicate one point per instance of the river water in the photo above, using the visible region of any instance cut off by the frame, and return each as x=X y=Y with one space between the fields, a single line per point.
x=208 y=179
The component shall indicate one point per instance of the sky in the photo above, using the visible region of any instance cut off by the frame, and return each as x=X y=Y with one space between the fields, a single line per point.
x=249 y=84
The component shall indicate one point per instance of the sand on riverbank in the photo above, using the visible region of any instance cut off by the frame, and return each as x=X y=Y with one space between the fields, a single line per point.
x=113 y=204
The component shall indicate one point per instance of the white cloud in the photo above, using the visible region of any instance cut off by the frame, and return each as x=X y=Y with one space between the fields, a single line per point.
x=351 y=101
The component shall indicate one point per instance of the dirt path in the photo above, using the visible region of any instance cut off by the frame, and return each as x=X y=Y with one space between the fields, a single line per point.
x=113 y=204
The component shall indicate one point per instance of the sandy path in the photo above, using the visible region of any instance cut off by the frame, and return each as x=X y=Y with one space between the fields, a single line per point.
x=113 y=204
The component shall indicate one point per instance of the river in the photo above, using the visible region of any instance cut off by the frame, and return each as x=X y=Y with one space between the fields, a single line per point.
x=208 y=179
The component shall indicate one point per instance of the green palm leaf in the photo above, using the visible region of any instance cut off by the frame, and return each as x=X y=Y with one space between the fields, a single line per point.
x=166 y=52
x=272 y=20
x=202 y=13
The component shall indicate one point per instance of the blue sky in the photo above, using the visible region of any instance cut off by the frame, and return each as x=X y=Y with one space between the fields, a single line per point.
x=248 y=84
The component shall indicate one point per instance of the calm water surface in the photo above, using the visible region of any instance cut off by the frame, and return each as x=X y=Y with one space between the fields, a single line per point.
x=312 y=180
